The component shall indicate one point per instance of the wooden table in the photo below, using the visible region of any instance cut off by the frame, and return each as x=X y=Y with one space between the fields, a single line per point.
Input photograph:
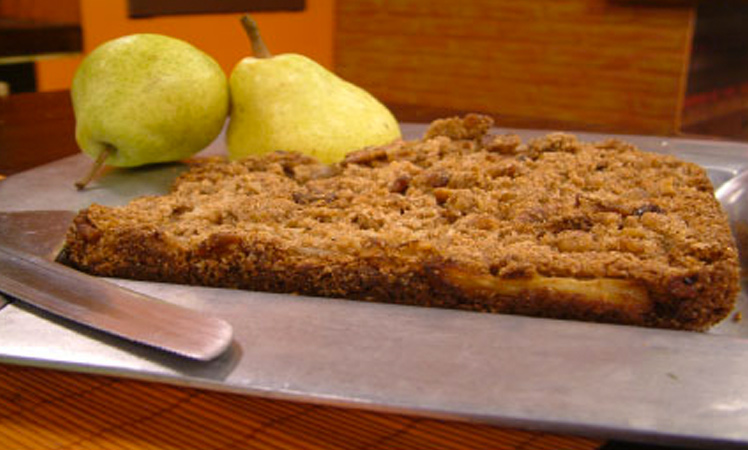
x=51 y=409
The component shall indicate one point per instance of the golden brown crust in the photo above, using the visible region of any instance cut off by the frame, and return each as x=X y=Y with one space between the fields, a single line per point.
x=392 y=223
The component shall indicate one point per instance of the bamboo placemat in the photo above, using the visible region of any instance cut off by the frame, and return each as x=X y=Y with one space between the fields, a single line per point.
x=50 y=409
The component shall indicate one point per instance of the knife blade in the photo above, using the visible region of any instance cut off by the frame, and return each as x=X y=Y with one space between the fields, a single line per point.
x=99 y=304
x=40 y=233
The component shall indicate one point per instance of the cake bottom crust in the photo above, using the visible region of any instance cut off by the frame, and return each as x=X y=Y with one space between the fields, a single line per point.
x=429 y=281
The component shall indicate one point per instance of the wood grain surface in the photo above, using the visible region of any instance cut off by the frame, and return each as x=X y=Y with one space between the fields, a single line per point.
x=47 y=409
x=607 y=64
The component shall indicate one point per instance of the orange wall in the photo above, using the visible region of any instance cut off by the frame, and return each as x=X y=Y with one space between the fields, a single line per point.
x=308 y=32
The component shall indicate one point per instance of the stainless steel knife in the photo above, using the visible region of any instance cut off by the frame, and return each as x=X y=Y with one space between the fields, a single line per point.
x=28 y=273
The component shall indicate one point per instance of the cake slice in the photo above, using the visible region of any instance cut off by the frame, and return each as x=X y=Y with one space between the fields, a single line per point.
x=460 y=219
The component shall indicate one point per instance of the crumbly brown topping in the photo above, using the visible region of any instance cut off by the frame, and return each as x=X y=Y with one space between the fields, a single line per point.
x=555 y=206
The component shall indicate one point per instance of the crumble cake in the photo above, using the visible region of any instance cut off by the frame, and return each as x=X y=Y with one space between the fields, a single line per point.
x=461 y=218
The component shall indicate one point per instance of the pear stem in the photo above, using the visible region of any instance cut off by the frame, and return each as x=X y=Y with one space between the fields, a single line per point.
x=259 y=49
x=83 y=182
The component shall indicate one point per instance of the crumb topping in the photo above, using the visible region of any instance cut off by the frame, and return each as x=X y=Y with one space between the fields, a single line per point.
x=554 y=206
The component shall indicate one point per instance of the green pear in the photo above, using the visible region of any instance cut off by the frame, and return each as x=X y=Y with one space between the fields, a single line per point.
x=289 y=102
x=147 y=98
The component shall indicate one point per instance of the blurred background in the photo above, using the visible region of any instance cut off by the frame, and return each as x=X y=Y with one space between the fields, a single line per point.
x=636 y=66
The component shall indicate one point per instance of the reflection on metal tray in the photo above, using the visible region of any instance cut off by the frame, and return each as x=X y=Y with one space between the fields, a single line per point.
x=570 y=377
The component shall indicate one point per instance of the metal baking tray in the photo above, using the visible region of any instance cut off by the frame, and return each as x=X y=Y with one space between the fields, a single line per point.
x=595 y=380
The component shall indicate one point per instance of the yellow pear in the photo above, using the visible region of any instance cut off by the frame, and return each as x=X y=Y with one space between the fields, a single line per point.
x=291 y=103
x=147 y=98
